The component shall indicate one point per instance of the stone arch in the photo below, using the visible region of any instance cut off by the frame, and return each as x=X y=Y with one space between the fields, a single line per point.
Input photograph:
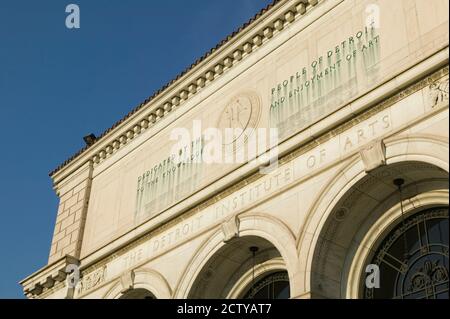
x=144 y=279
x=429 y=151
x=251 y=225
x=260 y=270
x=380 y=228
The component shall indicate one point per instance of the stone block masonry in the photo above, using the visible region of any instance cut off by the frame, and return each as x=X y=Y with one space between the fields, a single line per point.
x=71 y=218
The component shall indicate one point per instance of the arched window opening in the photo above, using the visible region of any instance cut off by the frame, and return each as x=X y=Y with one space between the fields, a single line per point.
x=413 y=259
x=138 y=294
x=273 y=286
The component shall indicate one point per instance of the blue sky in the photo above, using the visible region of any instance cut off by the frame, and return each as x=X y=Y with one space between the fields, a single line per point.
x=57 y=85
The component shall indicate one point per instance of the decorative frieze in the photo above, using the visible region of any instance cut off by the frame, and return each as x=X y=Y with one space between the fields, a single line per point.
x=438 y=92
x=91 y=280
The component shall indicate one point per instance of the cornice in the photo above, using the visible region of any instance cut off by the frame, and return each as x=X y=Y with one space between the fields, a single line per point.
x=263 y=27
x=48 y=277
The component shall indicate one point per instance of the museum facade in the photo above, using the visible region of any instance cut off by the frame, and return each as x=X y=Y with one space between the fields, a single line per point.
x=339 y=109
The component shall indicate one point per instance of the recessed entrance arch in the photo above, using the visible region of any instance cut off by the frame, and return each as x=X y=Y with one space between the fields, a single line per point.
x=144 y=284
x=412 y=260
x=360 y=217
x=139 y=293
x=276 y=244
x=246 y=267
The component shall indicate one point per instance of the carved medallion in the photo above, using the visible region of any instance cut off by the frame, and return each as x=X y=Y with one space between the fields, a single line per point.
x=241 y=113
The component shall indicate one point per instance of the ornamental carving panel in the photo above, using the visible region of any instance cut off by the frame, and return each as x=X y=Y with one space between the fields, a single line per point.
x=91 y=280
